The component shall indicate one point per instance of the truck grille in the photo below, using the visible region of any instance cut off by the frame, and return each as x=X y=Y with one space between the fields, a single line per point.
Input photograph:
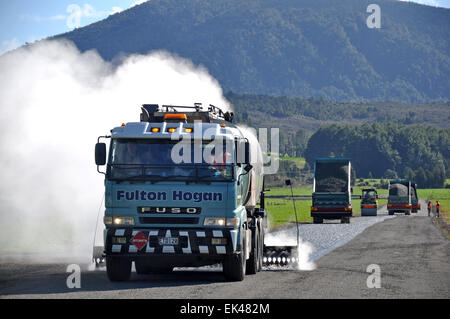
x=168 y=220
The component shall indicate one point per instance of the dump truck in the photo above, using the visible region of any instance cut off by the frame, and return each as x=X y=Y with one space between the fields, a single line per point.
x=414 y=198
x=182 y=188
x=369 y=203
x=331 y=194
x=399 y=198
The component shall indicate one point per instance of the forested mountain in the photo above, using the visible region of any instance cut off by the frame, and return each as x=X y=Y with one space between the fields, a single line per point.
x=290 y=113
x=308 y=48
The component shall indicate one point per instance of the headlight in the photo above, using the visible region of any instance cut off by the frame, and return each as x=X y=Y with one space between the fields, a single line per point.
x=214 y=221
x=119 y=221
x=233 y=221
x=221 y=221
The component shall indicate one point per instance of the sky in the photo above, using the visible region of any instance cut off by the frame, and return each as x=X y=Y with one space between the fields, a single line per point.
x=24 y=21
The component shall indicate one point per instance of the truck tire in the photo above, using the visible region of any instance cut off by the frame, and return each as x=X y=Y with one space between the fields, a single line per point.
x=118 y=269
x=253 y=261
x=317 y=220
x=140 y=268
x=407 y=213
x=345 y=220
x=234 y=266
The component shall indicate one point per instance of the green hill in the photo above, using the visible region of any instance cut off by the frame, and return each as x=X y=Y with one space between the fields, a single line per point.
x=319 y=48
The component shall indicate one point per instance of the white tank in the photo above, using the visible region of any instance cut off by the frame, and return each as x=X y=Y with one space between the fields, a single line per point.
x=256 y=159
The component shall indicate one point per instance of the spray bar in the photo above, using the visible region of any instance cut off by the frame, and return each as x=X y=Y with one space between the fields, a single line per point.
x=279 y=255
x=283 y=255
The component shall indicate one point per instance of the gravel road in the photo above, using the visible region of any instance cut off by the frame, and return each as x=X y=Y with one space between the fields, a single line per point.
x=412 y=255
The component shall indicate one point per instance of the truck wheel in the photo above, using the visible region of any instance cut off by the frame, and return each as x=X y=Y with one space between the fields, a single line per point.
x=141 y=269
x=345 y=220
x=408 y=213
x=317 y=220
x=118 y=269
x=234 y=266
x=253 y=261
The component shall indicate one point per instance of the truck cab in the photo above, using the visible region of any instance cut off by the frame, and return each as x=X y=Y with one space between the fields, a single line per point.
x=181 y=190
x=331 y=197
x=414 y=198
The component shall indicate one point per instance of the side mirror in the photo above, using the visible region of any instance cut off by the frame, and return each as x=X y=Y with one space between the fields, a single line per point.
x=247 y=153
x=100 y=154
x=287 y=182
x=243 y=152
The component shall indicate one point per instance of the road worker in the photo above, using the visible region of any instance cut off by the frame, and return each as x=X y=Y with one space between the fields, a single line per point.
x=430 y=207
x=437 y=208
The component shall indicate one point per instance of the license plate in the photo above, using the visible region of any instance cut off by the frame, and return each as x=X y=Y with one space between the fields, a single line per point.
x=168 y=241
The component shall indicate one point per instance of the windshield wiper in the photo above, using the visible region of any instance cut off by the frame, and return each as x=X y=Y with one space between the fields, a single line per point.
x=214 y=178
x=171 y=177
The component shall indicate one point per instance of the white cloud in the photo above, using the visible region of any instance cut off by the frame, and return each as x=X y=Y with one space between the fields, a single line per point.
x=75 y=14
x=136 y=3
x=58 y=17
x=115 y=10
x=37 y=18
x=433 y=3
x=87 y=11
x=9 y=45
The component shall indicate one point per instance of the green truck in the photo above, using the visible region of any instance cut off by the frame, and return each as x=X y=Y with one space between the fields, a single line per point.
x=331 y=197
x=400 y=197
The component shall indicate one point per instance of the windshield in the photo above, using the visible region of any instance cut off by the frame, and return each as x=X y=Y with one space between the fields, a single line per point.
x=369 y=194
x=157 y=160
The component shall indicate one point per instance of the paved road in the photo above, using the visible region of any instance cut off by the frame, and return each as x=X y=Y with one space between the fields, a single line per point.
x=412 y=254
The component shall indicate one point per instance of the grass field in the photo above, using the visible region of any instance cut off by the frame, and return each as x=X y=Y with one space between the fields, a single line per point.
x=442 y=195
x=299 y=161
x=281 y=211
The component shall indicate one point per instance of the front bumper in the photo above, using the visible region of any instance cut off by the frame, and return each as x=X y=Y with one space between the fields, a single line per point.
x=331 y=215
x=399 y=208
x=368 y=211
x=326 y=212
x=192 y=242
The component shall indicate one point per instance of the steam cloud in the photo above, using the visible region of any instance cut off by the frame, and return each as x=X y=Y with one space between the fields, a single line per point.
x=54 y=103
